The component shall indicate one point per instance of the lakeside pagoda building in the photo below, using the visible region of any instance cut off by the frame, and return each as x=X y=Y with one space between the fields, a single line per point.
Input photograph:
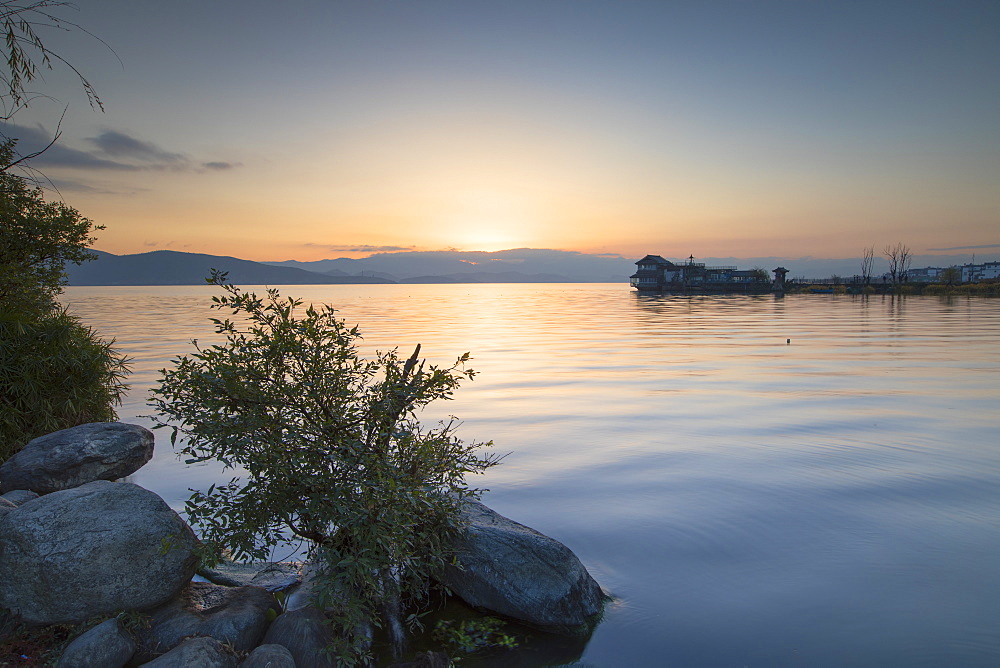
x=656 y=274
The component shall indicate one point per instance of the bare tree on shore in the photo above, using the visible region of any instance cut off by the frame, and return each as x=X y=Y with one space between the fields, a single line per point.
x=867 y=262
x=899 y=257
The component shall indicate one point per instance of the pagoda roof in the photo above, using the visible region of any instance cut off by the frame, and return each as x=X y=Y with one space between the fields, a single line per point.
x=655 y=259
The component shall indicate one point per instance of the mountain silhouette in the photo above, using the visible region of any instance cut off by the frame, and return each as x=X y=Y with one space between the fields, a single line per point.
x=165 y=267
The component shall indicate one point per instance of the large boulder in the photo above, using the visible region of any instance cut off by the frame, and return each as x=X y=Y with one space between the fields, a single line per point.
x=78 y=455
x=92 y=550
x=515 y=571
x=236 y=616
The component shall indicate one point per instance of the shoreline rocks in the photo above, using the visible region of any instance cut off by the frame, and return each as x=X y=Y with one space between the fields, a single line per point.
x=236 y=616
x=74 y=546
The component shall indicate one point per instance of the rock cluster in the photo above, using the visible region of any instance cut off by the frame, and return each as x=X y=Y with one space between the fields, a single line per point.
x=75 y=545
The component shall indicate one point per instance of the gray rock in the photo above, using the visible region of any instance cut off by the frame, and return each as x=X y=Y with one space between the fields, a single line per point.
x=78 y=455
x=6 y=506
x=513 y=570
x=269 y=656
x=196 y=653
x=19 y=497
x=236 y=616
x=107 y=645
x=304 y=633
x=271 y=575
x=92 y=550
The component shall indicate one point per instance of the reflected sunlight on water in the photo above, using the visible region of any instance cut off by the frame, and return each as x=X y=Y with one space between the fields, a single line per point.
x=829 y=501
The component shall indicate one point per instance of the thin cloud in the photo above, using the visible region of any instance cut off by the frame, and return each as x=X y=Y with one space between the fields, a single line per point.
x=33 y=139
x=952 y=248
x=220 y=166
x=361 y=248
x=120 y=145
x=112 y=151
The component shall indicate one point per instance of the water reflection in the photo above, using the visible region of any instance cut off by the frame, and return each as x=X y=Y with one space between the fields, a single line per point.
x=826 y=502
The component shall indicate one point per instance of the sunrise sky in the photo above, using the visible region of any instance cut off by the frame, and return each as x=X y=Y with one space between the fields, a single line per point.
x=307 y=130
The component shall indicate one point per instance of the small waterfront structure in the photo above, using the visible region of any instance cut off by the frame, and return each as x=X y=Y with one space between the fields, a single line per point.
x=656 y=274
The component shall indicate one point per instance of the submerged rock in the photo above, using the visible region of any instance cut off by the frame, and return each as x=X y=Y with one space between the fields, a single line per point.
x=92 y=550
x=78 y=455
x=515 y=571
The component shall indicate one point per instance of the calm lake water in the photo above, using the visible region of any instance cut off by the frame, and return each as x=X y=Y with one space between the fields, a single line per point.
x=831 y=501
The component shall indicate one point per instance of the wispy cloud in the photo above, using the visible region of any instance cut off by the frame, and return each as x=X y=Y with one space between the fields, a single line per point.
x=33 y=139
x=120 y=145
x=953 y=248
x=360 y=248
x=112 y=150
x=220 y=166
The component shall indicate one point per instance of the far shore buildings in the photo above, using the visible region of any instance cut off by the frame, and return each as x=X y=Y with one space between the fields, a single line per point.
x=656 y=274
x=967 y=273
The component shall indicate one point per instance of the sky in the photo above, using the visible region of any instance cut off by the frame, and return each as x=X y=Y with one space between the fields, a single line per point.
x=307 y=130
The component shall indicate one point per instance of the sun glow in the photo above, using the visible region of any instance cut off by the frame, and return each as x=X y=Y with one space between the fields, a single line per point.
x=487 y=242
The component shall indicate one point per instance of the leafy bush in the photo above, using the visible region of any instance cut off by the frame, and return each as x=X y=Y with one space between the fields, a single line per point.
x=54 y=373
x=332 y=451
x=37 y=239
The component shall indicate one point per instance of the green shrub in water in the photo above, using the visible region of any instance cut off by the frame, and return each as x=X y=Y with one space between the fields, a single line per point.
x=331 y=452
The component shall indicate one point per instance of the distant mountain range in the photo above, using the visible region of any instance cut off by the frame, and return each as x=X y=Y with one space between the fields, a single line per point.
x=521 y=265
x=165 y=267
